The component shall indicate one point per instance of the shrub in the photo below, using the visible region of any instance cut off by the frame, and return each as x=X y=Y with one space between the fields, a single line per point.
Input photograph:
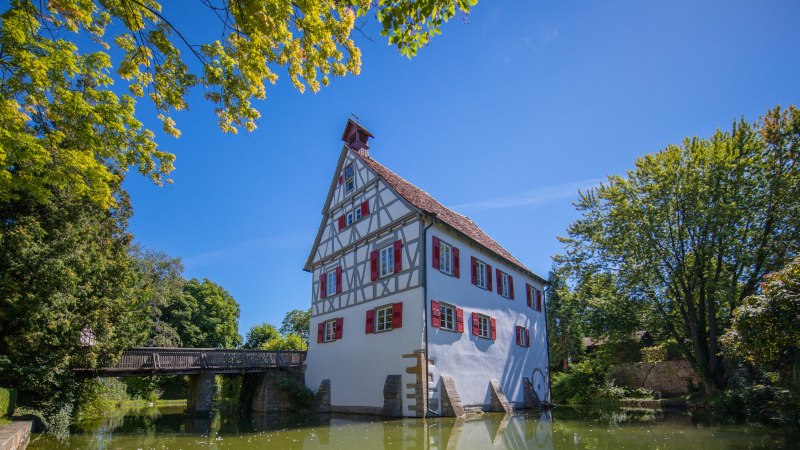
x=585 y=383
x=656 y=353
x=100 y=396
x=758 y=395
x=8 y=398
x=641 y=393
x=300 y=396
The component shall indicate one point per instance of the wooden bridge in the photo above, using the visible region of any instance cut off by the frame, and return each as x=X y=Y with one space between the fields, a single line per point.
x=195 y=361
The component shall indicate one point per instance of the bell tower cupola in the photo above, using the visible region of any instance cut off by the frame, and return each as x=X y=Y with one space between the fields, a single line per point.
x=356 y=137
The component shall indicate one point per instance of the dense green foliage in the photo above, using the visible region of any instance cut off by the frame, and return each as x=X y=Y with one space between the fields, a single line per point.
x=293 y=334
x=564 y=325
x=297 y=322
x=686 y=236
x=766 y=328
x=160 y=284
x=259 y=335
x=8 y=400
x=764 y=340
x=65 y=275
x=205 y=316
x=583 y=384
x=301 y=397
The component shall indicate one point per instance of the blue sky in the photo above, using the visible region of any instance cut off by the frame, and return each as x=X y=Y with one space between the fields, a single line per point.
x=503 y=118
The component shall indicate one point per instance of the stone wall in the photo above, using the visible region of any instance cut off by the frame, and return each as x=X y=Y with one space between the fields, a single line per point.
x=15 y=435
x=667 y=377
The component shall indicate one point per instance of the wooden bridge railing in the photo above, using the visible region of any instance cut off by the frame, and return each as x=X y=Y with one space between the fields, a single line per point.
x=194 y=360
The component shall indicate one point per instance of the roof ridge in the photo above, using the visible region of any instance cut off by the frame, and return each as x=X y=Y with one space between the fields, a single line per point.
x=424 y=201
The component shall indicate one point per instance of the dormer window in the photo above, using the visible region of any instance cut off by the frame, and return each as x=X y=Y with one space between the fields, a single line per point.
x=349 y=179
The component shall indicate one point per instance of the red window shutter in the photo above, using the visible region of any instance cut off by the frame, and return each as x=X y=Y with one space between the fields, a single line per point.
x=474 y=264
x=364 y=208
x=493 y=326
x=339 y=279
x=456 y=263
x=499 y=282
x=476 y=324
x=341 y=179
x=320 y=332
x=398 y=256
x=528 y=294
x=539 y=300
x=511 y=287
x=370 y=325
x=323 y=285
x=459 y=320
x=517 y=333
x=341 y=222
x=436 y=314
x=373 y=264
x=488 y=277
x=340 y=325
x=397 y=315
x=437 y=249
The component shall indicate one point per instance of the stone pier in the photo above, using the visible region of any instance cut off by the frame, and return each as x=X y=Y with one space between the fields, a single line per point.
x=200 y=401
x=268 y=397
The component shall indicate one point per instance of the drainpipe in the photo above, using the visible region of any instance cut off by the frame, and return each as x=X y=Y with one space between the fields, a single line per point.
x=424 y=261
x=547 y=346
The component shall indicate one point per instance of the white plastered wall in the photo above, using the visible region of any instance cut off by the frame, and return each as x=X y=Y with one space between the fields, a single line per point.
x=358 y=363
x=473 y=361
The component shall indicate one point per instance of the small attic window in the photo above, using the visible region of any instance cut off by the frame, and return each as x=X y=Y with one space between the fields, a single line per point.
x=349 y=179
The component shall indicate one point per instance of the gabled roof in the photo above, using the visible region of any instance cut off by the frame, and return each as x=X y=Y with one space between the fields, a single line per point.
x=427 y=204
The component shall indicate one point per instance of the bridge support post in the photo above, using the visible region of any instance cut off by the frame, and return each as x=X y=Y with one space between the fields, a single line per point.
x=200 y=401
x=268 y=397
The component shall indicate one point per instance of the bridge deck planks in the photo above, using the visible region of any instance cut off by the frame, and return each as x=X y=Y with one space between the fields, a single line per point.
x=190 y=361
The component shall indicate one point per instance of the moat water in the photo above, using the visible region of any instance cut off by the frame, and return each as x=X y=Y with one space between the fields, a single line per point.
x=563 y=428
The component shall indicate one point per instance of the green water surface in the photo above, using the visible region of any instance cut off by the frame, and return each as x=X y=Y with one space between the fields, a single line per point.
x=563 y=428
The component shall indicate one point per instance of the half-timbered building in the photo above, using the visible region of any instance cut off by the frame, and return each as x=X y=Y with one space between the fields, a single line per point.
x=415 y=310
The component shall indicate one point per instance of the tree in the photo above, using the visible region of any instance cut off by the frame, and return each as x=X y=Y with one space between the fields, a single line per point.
x=693 y=228
x=293 y=334
x=260 y=335
x=290 y=341
x=160 y=285
x=65 y=127
x=564 y=330
x=205 y=316
x=297 y=322
x=67 y=295
x=766 y=329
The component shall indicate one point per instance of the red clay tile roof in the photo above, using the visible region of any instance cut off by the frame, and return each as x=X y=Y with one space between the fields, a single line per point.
x=422 y=200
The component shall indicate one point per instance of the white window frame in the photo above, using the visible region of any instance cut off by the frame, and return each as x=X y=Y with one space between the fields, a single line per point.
x=532 y=293
x=329 y=331
x=480 y=274
x=383 y=318
x=445 y=258
x=357 y=214
x=386 y=261
x=525 y=338
x=349 y=182
x=349 y=218
x=447 y=314
x=505 y=290
x=330 y=283
x=484 y=326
